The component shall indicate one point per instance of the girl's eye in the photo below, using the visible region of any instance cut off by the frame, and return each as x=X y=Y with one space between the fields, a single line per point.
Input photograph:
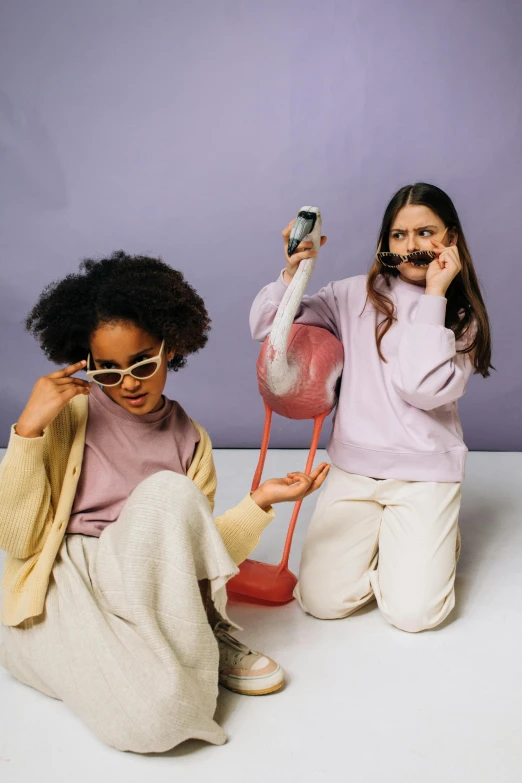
x=426 y=233
x=398 y=235
x=106 y=366
x=141 y=359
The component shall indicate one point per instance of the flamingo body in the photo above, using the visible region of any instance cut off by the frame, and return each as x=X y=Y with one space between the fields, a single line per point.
x=315 y=359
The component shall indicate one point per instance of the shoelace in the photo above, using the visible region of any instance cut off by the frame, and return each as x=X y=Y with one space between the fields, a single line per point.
x=222 y=635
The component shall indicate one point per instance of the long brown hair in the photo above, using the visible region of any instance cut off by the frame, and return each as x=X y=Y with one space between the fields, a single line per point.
x=465 y=309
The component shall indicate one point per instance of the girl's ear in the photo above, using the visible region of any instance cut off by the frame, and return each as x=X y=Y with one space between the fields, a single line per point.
x=171 y=354
x=453 y=237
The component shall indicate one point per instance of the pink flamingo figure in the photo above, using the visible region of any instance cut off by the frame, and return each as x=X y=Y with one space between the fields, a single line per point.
x=298 y=372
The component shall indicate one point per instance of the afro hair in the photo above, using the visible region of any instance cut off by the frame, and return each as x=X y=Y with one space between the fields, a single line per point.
x=139 y=289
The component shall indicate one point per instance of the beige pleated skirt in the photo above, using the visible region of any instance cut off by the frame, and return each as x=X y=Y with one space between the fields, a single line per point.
x=124 y=640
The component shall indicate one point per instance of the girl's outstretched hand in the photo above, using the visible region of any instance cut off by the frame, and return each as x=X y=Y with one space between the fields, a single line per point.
x=295 y=486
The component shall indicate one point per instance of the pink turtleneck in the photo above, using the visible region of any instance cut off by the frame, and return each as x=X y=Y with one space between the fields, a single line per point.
x=121 y=450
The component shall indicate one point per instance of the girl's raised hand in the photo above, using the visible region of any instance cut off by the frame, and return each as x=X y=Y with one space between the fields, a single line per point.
x=304 y=250
x=443 y=269
x=295 y=486
x=50 y=395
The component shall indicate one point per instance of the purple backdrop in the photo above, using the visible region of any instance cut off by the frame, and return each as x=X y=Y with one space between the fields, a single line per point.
x=195 y=130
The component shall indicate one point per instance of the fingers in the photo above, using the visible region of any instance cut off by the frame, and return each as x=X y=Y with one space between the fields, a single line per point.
x=297 y=477
x=452 y=253
x=66 y=385
x=296 y=485
x=288 y=230
x=453 y=264
x=296 y=259
x=448 y=255
x=319 y=469
x=67 y=381
x=68 y=371
x=74 y=391
x=320 y=475
x=303 y=250
x=302 y=246
x=78 y=387
x=440 y=248
x=308 y=245
x=321 y=478
x=300 y=485
x=310 y=482
x=314 y=474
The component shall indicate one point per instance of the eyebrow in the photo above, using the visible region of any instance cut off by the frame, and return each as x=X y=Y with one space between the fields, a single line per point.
x=419 y=228
x=134 y=356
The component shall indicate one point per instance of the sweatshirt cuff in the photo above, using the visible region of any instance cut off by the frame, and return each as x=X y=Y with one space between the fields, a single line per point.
x=431 y=310
x=278 y=289
x=25 y=454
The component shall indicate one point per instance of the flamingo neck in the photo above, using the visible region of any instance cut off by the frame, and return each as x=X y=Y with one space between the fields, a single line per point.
x=282 y=375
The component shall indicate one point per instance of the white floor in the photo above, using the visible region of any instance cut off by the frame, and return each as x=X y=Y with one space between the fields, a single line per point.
x=364 y=702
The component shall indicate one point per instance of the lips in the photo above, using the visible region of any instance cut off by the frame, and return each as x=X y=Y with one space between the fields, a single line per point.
x=137 y=399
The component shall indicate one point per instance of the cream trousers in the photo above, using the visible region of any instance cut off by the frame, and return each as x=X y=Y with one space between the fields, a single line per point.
x=395 y=541
x=124 y=639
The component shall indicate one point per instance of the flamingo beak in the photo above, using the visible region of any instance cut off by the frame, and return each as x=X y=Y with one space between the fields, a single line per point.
x=303 y=226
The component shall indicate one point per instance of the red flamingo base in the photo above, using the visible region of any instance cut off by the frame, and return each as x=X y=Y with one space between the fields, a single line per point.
x=262 y=582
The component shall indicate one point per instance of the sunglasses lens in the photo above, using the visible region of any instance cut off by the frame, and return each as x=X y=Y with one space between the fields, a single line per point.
x=421 y=258
x=390 y=259
x=107 y=378
x=144 y=370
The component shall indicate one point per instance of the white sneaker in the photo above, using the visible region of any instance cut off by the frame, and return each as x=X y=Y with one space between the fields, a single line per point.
x=243 y=670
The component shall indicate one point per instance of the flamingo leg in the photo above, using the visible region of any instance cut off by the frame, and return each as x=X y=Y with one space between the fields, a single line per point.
x=264 y=448
x=318 y=424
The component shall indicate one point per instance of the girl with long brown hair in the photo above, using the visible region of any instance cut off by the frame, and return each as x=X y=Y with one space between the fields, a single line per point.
x=413 y=330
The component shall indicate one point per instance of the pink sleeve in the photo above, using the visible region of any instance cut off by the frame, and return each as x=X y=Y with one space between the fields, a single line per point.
x=428 y=371
x=317 y=310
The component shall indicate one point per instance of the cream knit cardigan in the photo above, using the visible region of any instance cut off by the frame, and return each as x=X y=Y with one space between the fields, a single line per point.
x=38 y=479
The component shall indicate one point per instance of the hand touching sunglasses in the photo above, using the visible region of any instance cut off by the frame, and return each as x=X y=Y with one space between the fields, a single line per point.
x=417 y=258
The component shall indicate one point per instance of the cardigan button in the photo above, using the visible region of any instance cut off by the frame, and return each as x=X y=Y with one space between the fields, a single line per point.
x=75 y=470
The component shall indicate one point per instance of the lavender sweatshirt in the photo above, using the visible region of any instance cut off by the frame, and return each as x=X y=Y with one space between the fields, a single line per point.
x=397 y=419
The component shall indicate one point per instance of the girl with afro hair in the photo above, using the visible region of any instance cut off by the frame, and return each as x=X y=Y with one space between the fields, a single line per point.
x=114 y=597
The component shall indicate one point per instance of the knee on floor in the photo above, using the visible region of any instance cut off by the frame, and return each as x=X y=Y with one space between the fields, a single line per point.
x=324 y=606
x=414 y=617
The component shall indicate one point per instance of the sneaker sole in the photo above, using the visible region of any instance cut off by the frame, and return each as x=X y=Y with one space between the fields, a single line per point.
x=234 y=684
x=264 y=692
